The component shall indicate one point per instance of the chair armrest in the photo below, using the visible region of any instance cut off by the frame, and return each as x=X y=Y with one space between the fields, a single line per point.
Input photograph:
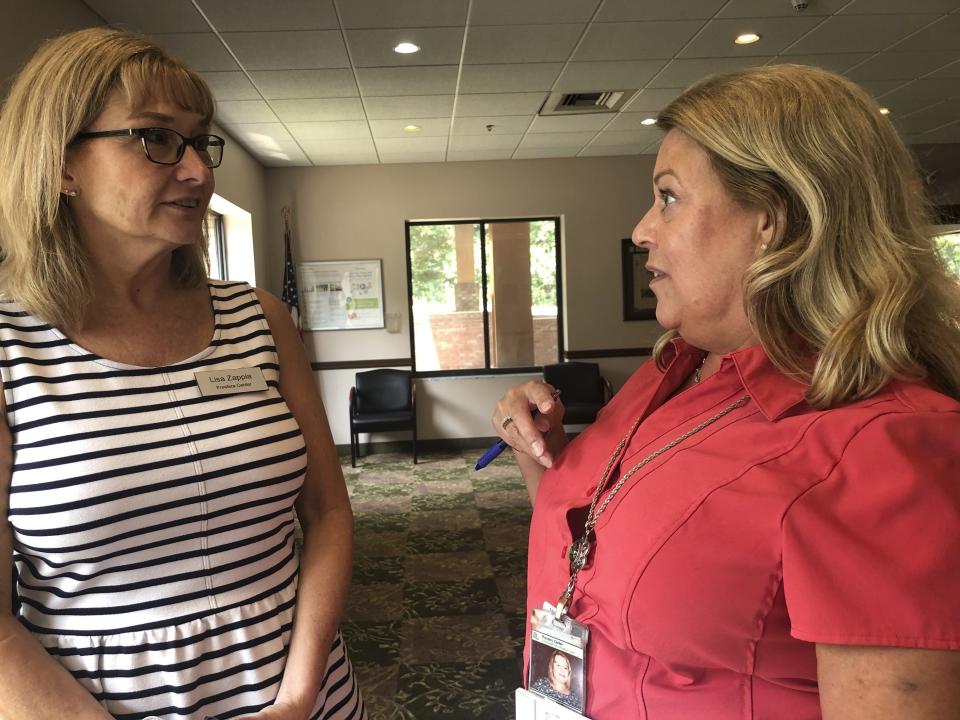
x=607 y=390
x=353 y=401
x=413 y=396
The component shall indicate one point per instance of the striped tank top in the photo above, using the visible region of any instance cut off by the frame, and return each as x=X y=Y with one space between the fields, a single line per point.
x=153 y=528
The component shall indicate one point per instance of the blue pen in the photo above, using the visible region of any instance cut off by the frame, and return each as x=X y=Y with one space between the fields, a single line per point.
x=498 y=447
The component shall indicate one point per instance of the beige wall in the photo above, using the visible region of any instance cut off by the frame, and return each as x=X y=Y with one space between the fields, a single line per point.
x=358 y=212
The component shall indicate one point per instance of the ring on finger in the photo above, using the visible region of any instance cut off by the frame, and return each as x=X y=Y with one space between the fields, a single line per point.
x=507 y=419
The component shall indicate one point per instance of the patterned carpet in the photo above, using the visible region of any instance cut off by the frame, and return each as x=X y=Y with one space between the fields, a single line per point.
x=434 y=623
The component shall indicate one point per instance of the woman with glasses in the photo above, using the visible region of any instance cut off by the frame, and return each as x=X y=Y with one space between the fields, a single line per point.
x=159 y=427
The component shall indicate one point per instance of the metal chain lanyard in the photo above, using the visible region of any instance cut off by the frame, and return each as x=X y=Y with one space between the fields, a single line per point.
x=580 y=549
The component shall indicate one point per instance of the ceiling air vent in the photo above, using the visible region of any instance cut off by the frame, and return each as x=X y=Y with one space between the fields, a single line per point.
x=604 y=101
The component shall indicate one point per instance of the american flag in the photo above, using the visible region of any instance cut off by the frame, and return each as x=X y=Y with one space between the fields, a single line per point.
x=290 y=295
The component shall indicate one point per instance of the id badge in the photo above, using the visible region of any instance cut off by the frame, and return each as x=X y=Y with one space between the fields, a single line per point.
x=558 y=663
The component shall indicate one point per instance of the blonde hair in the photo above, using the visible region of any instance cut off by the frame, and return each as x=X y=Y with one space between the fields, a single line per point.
x=851 y=292
x=58 y=94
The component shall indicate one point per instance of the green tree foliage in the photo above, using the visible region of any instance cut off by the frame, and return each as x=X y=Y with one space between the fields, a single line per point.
x=543 y=262
x=949 y=248
x=433 y=262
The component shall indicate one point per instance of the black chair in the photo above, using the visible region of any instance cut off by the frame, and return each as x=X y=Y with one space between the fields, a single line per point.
x=583 y=390
x=382 y=400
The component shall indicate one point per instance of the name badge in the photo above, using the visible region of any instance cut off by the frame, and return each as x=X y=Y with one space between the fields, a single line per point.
x=230 y=381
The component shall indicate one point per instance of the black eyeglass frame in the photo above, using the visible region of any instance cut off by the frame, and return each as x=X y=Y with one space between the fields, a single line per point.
x=141 y=132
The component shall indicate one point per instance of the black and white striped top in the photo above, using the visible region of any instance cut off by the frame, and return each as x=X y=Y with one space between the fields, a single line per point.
x=152 y=525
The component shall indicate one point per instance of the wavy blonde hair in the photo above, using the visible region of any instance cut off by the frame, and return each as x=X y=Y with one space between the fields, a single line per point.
x=851 y=293
x=58 y=94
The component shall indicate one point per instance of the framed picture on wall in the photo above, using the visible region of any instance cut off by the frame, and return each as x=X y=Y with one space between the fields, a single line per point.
x=639 y=302
x=341 y=294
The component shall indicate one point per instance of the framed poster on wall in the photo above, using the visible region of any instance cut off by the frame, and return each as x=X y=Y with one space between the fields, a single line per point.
x=341 y=294
x=639 y=302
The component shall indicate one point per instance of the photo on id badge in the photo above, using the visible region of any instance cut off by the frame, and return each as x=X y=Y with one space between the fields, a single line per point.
x=556 y=665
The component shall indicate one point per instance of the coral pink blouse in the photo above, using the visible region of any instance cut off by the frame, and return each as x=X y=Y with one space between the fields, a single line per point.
x=719 y=564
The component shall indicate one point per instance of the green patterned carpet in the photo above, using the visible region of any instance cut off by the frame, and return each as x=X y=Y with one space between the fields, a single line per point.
x=434 y=623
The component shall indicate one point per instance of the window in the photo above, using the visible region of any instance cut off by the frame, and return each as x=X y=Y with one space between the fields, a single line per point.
x=483 y=294
x=948 y=245
x=216 y=245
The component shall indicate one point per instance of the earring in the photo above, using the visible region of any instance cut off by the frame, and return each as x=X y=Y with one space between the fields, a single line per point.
x=763 y=248
x=70 y=193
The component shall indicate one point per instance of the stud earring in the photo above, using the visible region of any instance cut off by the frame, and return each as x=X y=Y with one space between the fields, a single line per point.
x=763 y=248
x=70 y=193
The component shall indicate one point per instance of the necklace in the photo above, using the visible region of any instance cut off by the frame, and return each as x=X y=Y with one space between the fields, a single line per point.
x=698 y=373
x=580 y=549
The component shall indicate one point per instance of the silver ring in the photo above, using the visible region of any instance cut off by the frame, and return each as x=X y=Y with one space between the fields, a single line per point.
x=507 y=419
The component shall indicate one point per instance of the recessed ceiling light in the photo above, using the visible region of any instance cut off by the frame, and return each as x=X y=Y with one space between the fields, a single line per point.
x=884 y=111
x=648 y=121
x=747 y=39
x=405 y=48
x=411 y=128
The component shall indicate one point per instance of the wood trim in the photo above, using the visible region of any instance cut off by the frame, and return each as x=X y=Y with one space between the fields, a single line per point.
x=608 y=352
x=350 y=364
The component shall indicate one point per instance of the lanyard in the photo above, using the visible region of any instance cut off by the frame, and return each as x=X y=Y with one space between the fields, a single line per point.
x=580 y=549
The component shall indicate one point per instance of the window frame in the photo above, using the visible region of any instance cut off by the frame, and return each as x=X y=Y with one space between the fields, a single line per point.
x=215 y=220
x=483 y=222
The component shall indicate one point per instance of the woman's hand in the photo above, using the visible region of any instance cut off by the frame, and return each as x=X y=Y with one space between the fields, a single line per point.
x=278 y=711
x=540 y=437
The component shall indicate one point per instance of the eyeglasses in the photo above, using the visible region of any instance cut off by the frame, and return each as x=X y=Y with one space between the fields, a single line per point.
x=166 y=147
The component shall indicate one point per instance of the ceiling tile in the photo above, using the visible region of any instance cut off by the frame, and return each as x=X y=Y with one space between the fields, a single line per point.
x=336 y=130
x=429 y=127
x=410 y=144
x=835 y=62
x=899 y=7
x=630 y=122
x=900 y=66
x=879 y=88
x=943 y=34
x=618 y=10
x=570 y=123
x=530 y=12
x=952 y=70
x=508 y=78
x=231 y=86
x=717 y=38
x=779 y=8
x=343 y=158
x=920 y=94
x=635 y=40
x=502 y=125
x=306 y=110
x=171 y=16
x=858 y=33
x=440 y=80
x=422 y=156
x=931 y=118
x=499 y=104
x=485 y=142
x=201 y=51
x=354 y=146
x=263 y=136
x=525 y=153
x=403 y=13
x=287 y=84
x=607 y=75
x=568 y=139
x=276 y=159
x=681 y=73
x=652 y=100
x=244 y=111
x=426 y=106
x=239 y=15
x=472 y=155
x=595 y=150
x=288 y=50
x=374 y=48
x=640 y=138
x=520 y=43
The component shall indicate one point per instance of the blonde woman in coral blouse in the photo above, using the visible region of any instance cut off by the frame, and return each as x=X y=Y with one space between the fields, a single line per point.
x=765 y=521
